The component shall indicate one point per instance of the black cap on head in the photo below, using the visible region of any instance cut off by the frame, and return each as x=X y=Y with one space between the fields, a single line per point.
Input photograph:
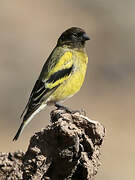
x=74 y=37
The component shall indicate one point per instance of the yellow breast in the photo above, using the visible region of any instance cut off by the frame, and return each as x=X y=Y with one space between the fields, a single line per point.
x=75 y=81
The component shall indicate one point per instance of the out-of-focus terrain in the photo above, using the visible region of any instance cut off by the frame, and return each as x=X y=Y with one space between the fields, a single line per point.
x=29 y=31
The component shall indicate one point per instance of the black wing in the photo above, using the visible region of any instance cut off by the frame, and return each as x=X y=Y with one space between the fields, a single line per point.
x=38 y=94
x=41 y=92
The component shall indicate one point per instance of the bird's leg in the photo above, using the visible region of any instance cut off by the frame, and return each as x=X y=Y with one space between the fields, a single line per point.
x=68 y=110
x=63 y=107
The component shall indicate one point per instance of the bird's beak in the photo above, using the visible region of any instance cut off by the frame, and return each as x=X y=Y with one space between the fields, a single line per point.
x=86 y=37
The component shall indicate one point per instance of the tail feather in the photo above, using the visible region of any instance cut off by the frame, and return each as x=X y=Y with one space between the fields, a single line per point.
x=26 y=120
x=19 y=131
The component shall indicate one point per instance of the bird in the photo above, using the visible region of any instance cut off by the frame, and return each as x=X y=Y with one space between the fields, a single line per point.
x=61 y=77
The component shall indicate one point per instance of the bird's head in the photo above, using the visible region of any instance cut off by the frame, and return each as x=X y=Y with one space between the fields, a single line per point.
x=74 y=37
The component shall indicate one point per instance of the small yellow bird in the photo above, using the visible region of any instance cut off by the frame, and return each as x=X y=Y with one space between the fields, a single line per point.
x=62 y=74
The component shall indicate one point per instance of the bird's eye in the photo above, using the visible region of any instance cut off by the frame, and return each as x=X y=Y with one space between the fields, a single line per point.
x=80 y=34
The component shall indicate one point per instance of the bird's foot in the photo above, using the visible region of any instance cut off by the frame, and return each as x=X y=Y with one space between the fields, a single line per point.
x=68 y=110
x=59 y=106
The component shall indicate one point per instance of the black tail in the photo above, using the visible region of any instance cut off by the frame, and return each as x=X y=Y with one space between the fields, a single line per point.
x=19 y=131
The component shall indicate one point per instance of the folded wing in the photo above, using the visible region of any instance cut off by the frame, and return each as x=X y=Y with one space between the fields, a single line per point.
x=45 y=86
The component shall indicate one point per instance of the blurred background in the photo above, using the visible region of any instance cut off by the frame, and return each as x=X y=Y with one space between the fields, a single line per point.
x=28 y=33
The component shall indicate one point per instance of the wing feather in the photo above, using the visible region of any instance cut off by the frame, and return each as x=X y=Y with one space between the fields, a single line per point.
x=57 y=69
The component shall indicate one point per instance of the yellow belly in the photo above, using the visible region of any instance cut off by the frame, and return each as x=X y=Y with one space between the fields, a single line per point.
x=71 y=86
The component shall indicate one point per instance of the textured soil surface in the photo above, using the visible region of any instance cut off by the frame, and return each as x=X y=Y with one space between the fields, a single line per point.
x=68 y=148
